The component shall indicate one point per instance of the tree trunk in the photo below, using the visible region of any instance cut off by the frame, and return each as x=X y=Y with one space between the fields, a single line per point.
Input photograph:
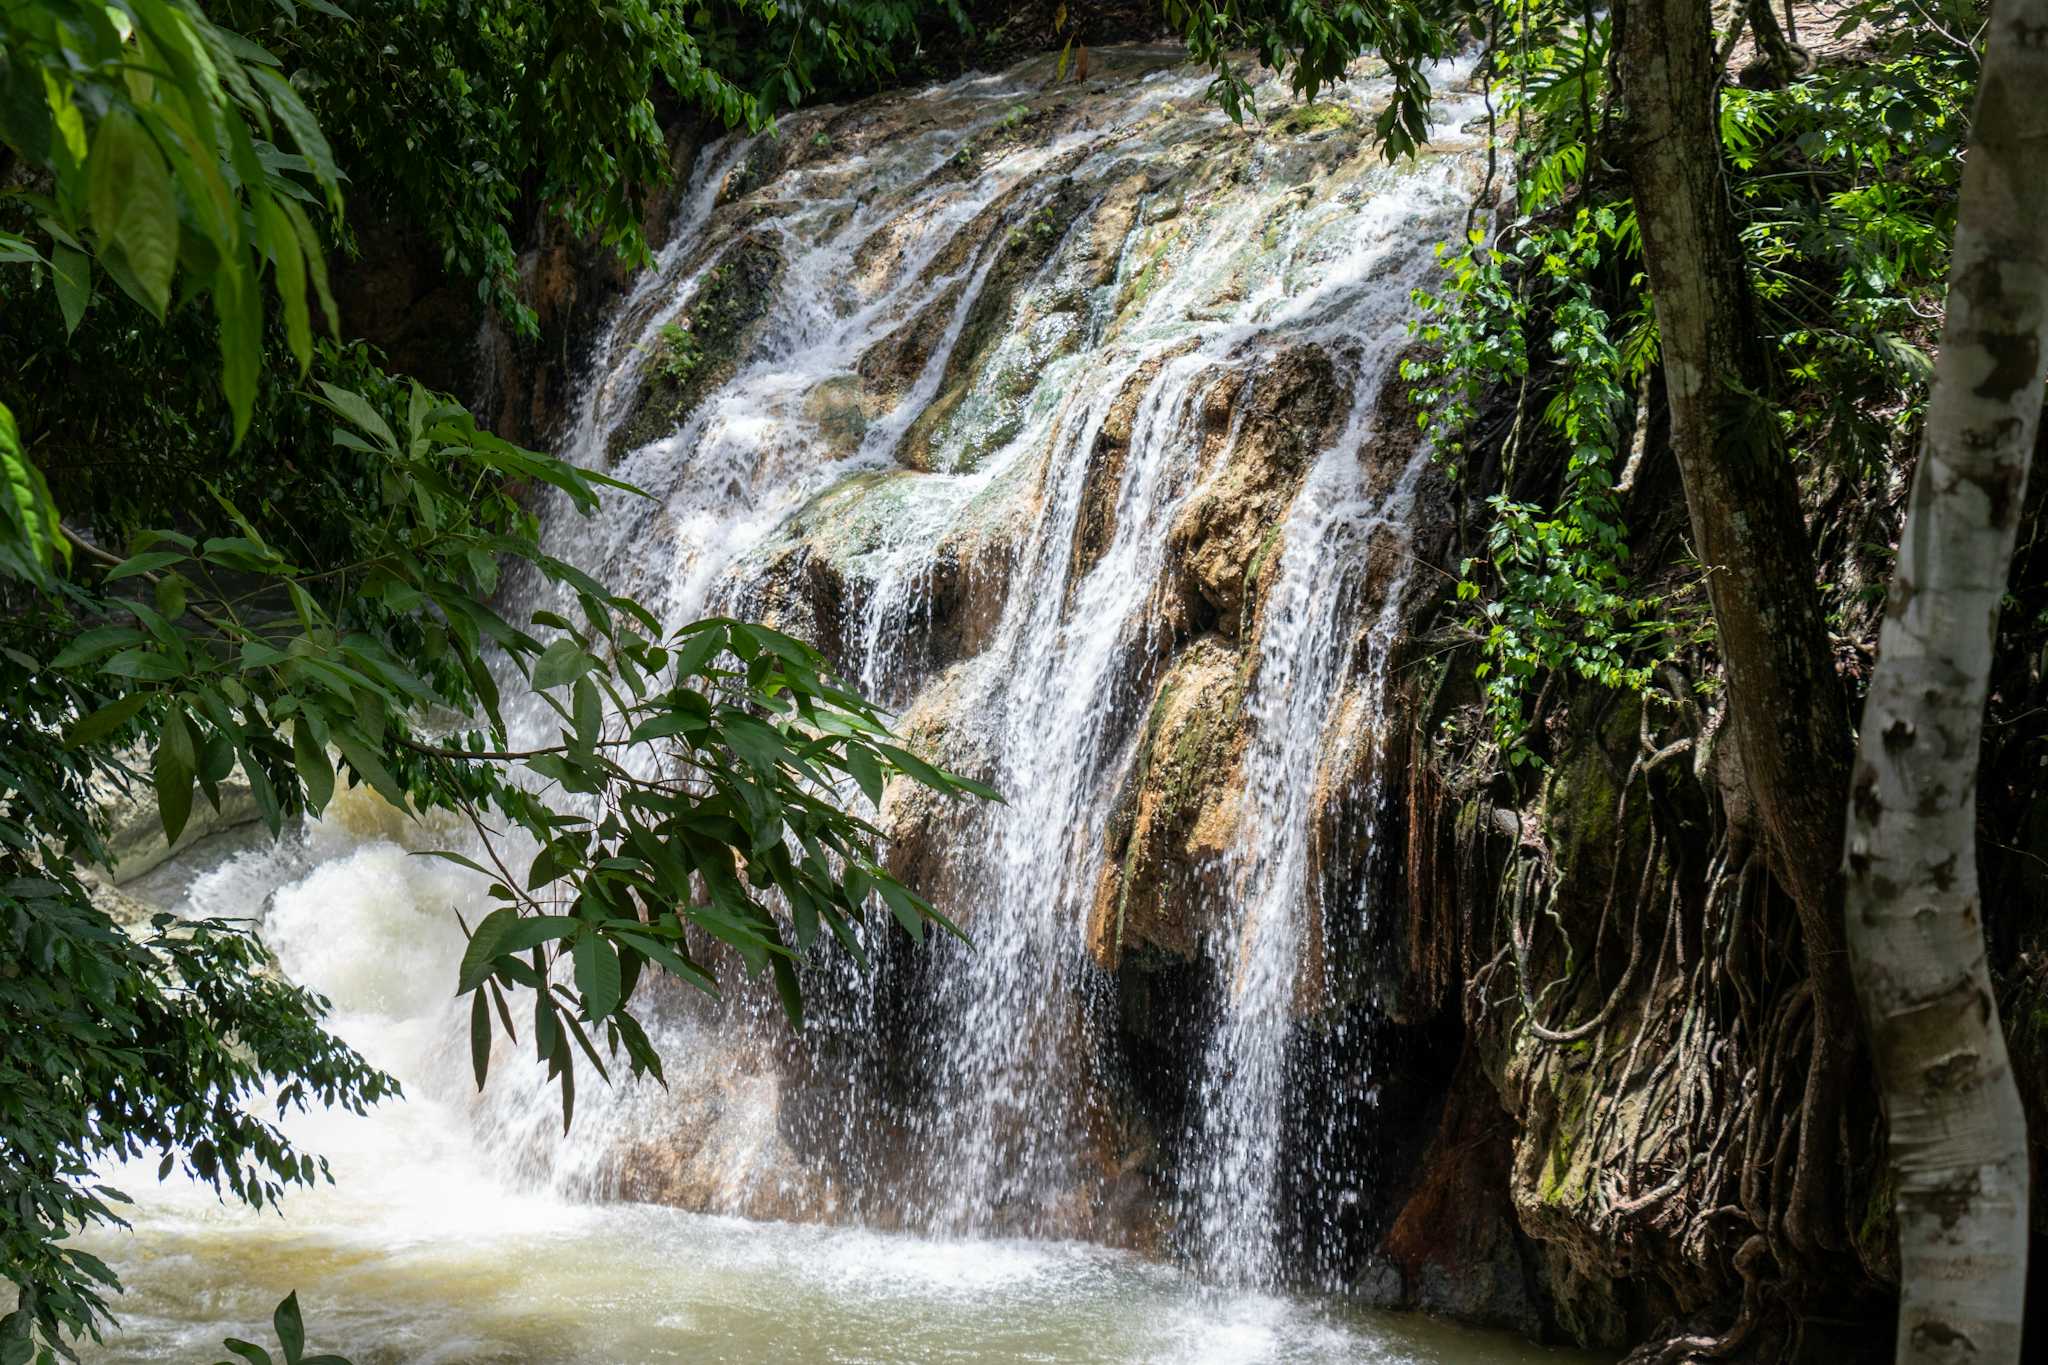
x=1958 y=1134
x=1790 y=717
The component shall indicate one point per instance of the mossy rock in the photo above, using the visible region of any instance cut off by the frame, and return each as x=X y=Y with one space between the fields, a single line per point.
x=1176 y=818
x=934 y=440
x=1319 y=116
x=719 y=325
x=1583 y=797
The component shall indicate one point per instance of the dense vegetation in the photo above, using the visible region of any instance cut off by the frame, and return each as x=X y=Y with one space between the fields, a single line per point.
x=233 y=539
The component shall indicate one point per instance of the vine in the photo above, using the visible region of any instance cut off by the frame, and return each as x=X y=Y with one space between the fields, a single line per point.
x=1551 y=591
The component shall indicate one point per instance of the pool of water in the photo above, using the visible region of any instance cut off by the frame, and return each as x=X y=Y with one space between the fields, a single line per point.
x=431 y=1248
x=499 y=1278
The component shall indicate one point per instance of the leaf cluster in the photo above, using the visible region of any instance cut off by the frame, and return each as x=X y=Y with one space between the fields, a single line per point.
x=461 y=118
x=299 y=578
x=1552 y=591
x=1314 y=45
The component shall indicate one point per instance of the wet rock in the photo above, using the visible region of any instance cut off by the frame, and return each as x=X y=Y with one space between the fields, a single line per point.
x=979 y=403
x=130 y=912
x=691 y=356
x=927 y=831
x=1095 y=522
x=1265 y=431
x=135 y=839
x=1454 y=1248
x=799 y=591
x=724 y=1154
x=1163 y=873
x=835 y=409
x=1116 y=213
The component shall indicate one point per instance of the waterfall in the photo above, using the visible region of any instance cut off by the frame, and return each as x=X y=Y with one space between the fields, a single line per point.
x=990 y=358
x=1058 y=415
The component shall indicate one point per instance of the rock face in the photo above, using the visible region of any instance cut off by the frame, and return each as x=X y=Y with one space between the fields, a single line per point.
x=1063 y=418
x=1267 y=430
x=1176 y=823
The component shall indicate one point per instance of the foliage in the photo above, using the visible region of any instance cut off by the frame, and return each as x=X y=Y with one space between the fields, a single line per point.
x=453 y=116
x=313 y=609
x=1847 y=188
x=1315 y=44
x=677 y=353
x=157 y=134
x=230 y=651
x=1552 y=591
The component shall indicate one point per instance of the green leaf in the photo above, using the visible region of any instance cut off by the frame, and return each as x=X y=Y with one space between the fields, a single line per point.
x=458 y=859
x=176 y=769
x=239 y=308
x=484 y=946
x=667 y=957
x=860 y=761
x=170 y=597
x=107 y=719
x=17 y=250
x=143 y=563
x=597 y=974
x=309 y=756
x=588 y=713
x=142 y=664
x=305 y=130
x=760 y=745
x=264 y=793
x=786 y=987
x=666 y=723
x=554 y=860
x=291 y=1332
x=31 y=537
x=133 y=208
x=903 y=908
x=692 y=658
x=371 y=769
x=290 y=276
x=480 y=1037
x=94 y=643
x=71 y=273
x=561 y=662
x=533 y=930
x=248 y=1350
x=316 y=264
x=356 y=409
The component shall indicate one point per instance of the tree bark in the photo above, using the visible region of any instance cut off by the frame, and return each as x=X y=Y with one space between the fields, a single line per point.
x=1789 y=712
x=1958 y=1134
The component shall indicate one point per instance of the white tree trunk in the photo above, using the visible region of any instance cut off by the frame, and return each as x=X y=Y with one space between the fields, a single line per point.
x=1916 y=940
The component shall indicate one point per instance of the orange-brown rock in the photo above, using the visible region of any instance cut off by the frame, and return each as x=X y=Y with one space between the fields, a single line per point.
x=1266 y=432
x=1162 y=880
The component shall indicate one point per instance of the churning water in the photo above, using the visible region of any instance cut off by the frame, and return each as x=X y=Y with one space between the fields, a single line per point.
x=976 y=366
x=426 y=1252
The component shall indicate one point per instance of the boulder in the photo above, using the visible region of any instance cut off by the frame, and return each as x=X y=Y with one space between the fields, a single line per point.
x=1162 y=882
x=1265 y=431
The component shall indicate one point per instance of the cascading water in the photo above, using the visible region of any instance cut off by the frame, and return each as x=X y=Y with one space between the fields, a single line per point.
x=1055 y=413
